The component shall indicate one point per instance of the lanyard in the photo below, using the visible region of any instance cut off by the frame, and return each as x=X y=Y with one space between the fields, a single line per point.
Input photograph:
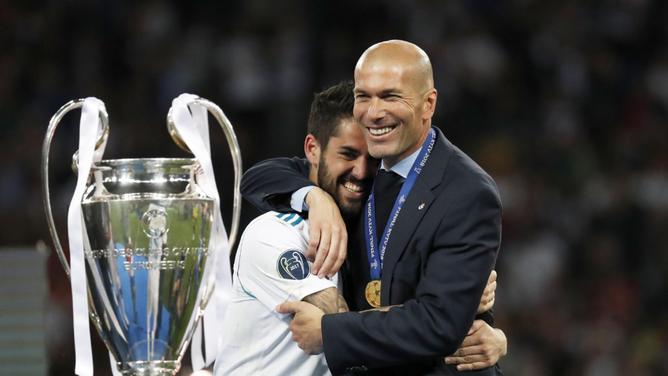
x=375 y=250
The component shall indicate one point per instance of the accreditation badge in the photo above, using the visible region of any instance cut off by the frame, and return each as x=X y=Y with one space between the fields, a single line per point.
x=372 y=293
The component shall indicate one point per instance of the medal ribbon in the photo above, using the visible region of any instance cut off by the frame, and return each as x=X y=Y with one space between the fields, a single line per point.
x=375 y=250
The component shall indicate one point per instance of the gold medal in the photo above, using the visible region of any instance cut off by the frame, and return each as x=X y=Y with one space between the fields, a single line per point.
x=372 y=293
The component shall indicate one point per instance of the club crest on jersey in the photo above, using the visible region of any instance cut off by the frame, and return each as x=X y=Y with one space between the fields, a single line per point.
x=292 y=265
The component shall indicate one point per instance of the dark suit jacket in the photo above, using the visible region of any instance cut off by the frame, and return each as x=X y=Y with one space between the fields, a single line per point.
x=439 y=256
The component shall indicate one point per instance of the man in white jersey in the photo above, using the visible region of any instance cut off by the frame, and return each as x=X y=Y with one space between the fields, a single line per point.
x=271 y=267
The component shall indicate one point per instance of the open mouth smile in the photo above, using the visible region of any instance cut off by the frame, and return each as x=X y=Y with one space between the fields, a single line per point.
x=381 y=131
x=353 y=187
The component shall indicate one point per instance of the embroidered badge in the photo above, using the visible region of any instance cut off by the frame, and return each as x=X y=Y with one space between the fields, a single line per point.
x=292 y=265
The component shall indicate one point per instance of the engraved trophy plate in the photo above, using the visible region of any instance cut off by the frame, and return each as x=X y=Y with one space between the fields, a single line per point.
x=146 y=241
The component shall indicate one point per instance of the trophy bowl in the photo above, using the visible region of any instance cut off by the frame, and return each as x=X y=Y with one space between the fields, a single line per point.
x=146 y=233
x=148 y=227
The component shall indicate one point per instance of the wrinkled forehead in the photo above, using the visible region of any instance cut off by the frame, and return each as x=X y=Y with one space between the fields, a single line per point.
x=380 y=74
x=384 y=75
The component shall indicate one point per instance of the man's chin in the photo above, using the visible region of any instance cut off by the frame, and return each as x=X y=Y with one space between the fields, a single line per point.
x=382 y=151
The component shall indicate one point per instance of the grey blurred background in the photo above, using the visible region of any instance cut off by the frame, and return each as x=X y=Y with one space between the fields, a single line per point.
x=565 y=103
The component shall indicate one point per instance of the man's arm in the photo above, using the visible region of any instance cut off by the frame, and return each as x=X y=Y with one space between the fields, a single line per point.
x=488 y=295
x=328 y=300
x=269 y=185
x=482 y=348
x=317 y=304
x=331 y=301
x=270 y=265
x=484 y=345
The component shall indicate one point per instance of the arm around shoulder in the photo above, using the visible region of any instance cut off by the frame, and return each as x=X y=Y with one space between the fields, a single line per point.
x=269 y=184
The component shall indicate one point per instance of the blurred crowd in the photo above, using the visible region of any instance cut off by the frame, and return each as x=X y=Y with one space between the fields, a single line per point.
x=565 y=103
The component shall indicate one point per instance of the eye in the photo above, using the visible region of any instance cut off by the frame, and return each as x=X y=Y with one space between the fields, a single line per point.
x=359 y=97
x=348 y=155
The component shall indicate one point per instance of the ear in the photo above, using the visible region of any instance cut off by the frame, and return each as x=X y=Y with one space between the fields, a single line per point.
x=312 y=150
x=429 y=104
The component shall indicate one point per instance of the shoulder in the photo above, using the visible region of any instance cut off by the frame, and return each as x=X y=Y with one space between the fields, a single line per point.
x=300 y=164
x=274 y=221
x=277 y=230
x=462 y=177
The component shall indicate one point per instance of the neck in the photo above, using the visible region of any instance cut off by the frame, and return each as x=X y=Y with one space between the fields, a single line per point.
x=313 y=174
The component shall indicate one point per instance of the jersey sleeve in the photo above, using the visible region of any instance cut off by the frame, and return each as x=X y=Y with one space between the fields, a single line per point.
x=272 y=267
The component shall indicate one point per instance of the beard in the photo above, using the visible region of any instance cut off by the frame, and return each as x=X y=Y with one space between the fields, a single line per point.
x=350 y=208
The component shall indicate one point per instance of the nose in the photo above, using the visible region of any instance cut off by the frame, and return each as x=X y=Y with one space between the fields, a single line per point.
x=361 y=170
x=375 y=110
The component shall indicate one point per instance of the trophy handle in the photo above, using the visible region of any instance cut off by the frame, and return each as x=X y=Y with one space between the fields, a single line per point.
x=234 y=150
x=46 y=146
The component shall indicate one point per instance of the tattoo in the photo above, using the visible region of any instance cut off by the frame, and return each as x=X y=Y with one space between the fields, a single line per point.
x=329 y=300
x=343 y=306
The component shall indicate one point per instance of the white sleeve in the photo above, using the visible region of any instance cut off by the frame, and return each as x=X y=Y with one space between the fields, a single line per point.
x=297 y=199
x=272 y=266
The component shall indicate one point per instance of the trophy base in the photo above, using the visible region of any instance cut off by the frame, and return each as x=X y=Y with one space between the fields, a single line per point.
x=151 y=368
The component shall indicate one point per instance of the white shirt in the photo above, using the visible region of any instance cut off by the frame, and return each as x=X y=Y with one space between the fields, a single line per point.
x=269 y=268
x=403 y=167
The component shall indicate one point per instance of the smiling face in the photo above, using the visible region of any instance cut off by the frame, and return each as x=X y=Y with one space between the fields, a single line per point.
x=344 y=168
x=394 y=99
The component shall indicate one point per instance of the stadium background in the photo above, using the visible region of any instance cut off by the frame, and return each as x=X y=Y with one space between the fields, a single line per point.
x=565 y=103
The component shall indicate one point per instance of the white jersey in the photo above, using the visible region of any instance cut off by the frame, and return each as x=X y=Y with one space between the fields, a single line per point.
x=270 y=268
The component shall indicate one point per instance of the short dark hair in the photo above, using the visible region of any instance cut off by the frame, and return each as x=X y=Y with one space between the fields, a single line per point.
x=328 y=108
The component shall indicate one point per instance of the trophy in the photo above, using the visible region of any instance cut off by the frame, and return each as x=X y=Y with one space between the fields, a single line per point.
x=146 y=232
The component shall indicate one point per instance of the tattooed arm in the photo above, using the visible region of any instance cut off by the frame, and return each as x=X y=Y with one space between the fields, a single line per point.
x=329 y=300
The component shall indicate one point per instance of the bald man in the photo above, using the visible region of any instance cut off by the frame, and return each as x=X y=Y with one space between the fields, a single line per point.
x=427 y=240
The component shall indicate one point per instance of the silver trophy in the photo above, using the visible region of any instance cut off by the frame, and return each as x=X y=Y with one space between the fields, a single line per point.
x=147 y=228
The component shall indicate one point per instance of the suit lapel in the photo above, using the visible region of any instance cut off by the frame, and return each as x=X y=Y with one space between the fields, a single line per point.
x=417 y=204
